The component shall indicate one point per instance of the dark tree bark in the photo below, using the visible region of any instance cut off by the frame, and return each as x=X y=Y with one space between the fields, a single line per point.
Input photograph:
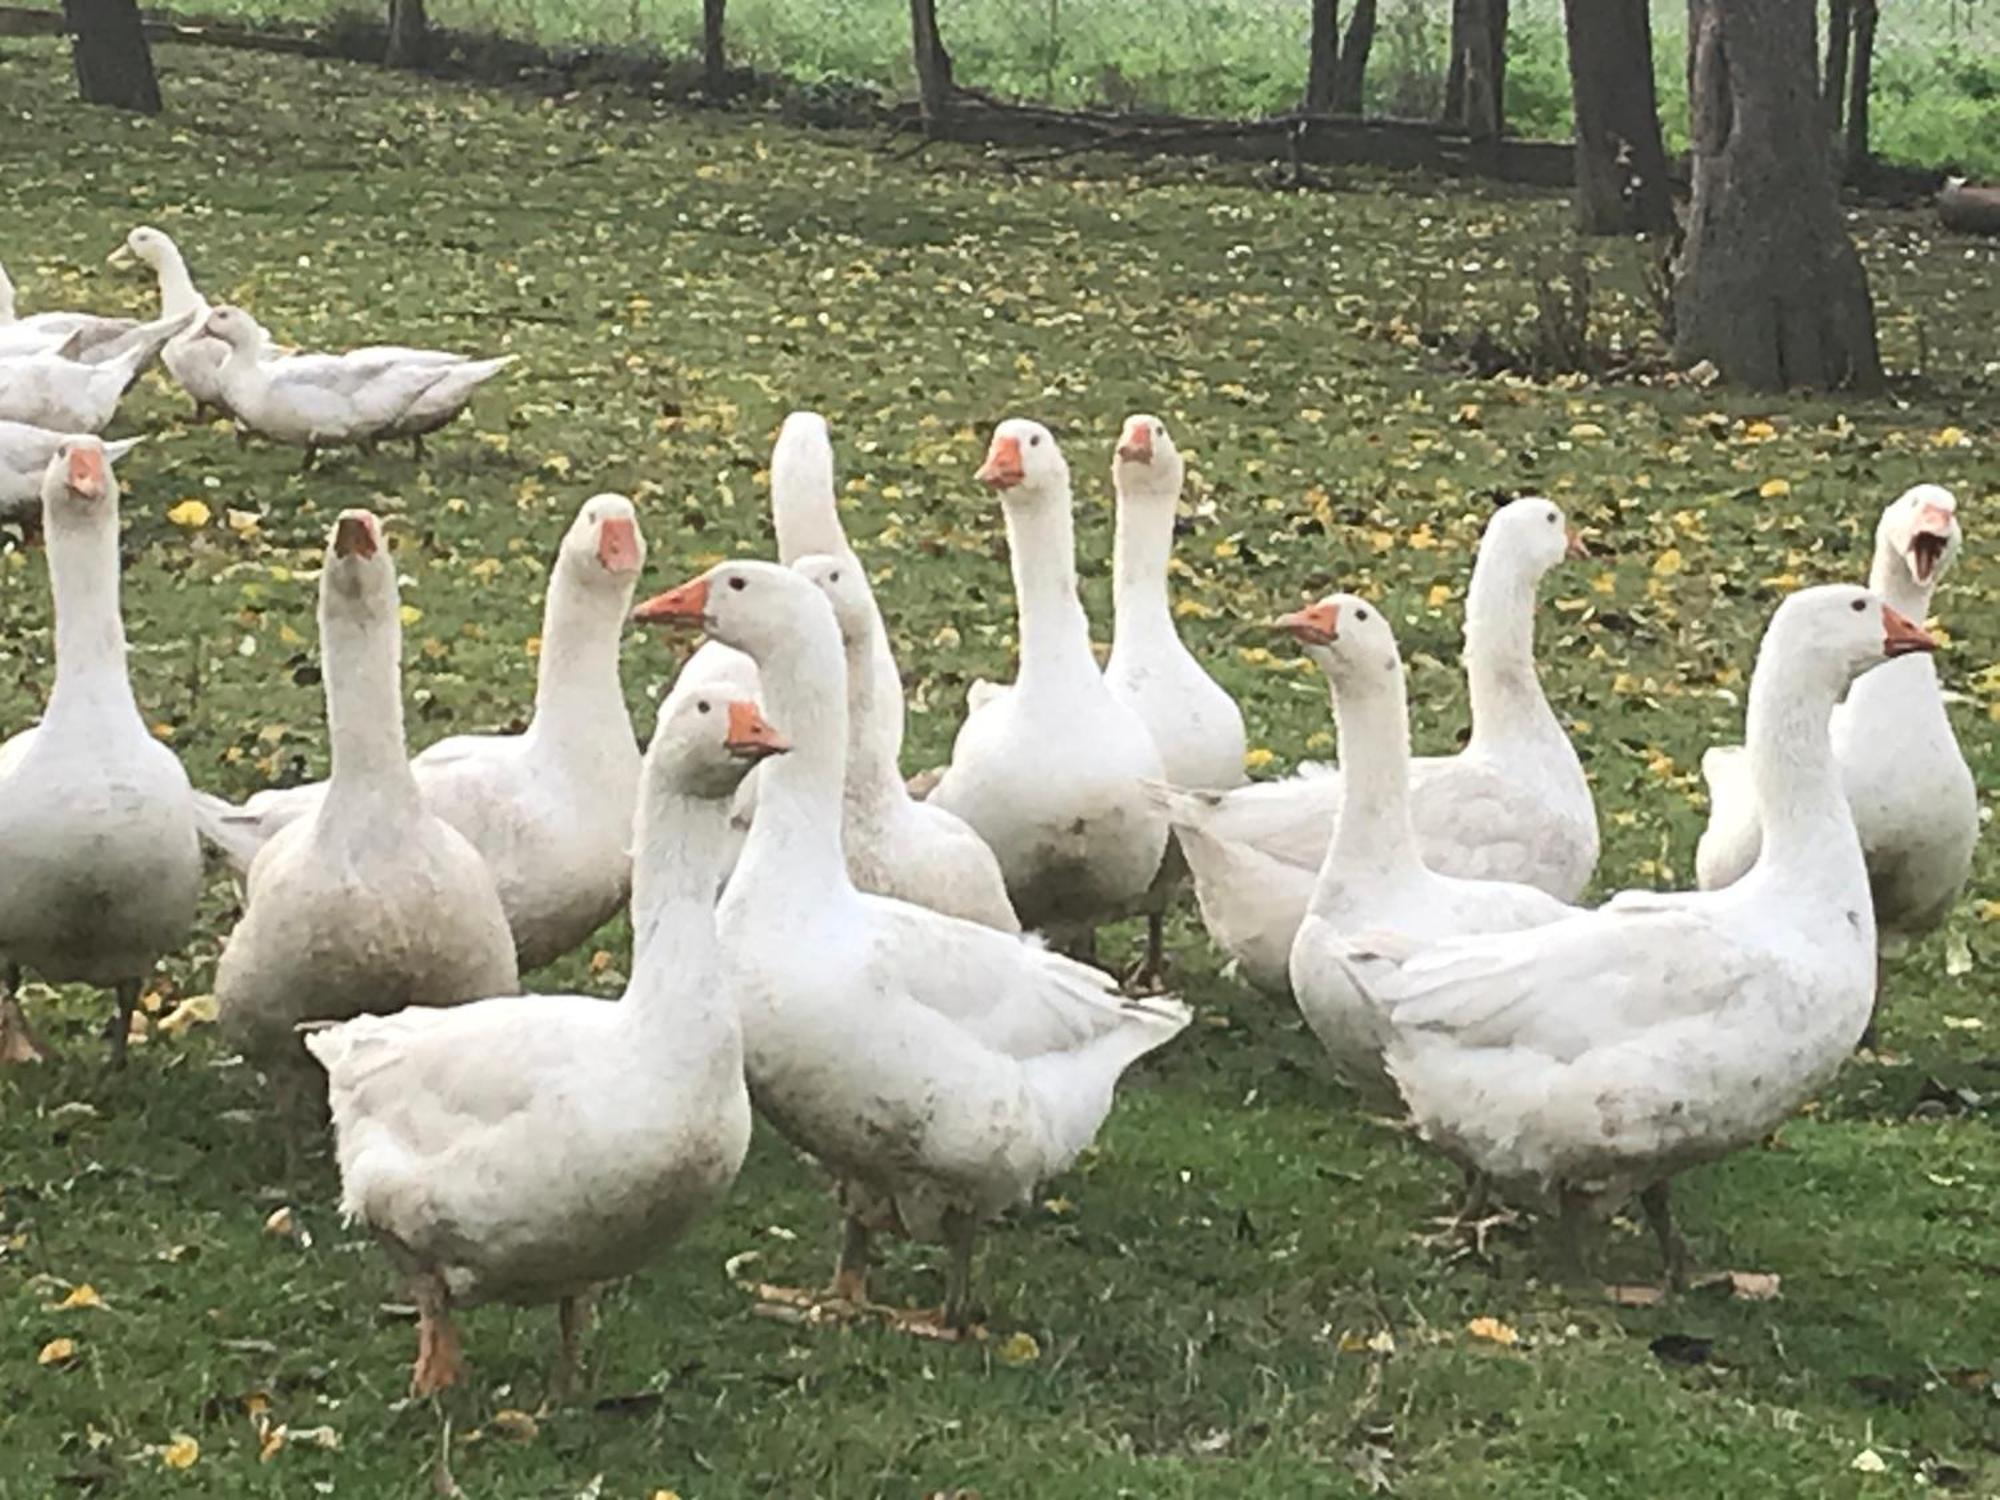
x=934 y=85
x=1621 y=167
x=1474 y=89
x=1833 y=79
x=1323 y=55
x=1770 y=289
x=408 y=27
x=114 y=63
x=1865 y=16
x=1354 y=50
x=714 y=58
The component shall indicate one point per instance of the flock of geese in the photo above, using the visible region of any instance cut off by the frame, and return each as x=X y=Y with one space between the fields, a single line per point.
x=902 y=982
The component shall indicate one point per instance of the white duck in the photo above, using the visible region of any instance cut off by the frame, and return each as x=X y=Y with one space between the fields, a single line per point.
x=1374 y=879
x=1512 y=805
x=914 y=851
x=1913 y=797
x=193 y=357
x=372 y=903
x=99 y=865
x=1605 y=1053
x=550 y=809
x=528 y=1148
x=78 y=335
x=939 y=1068
x=1195 y=725
x=51 y=390
x=325 y=400
x=1052 y=772
x=25 y=451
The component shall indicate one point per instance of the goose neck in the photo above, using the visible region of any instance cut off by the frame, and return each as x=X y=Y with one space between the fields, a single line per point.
x=807 y=521
x=1506 y=693
x=1808 y=831
x=796 y=834
x=674 y=994
x=91 y=674
x=1374 y=832
x=1142 y=552
x=579 y=696
x=361 y=660
x=874 y=731
x=1890 y=577
x=1054 y=631
x=178 y=296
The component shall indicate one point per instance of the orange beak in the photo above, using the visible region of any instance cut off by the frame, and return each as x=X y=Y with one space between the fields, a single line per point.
x=1316 y=624
x=686 y=605
x=618 y=546
x=750 y=737
x=1901 y=635
x=354 y=535
x=86 y=472
x=1135 y=445
x=1002 y=469
x=1576 y=547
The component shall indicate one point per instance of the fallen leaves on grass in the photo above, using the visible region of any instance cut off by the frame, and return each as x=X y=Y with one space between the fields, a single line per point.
x=1019 y=1349
x=83 y=1294
x=183 y=1452
x=196 y=1010
x=57 y=1352
x=515 y=1426
x=1493 y=1331
x=190 y=513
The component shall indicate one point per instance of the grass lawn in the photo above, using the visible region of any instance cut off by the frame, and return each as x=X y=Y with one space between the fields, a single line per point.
x=1228 y=1296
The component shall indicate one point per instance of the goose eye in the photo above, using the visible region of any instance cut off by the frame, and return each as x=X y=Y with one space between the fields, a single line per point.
x=1551 y=518
x=701 y=704
x=1859 y=605
x=1035 y=441
x=1361 y=614
x=739 y=584
x=834 y=576
x=1158 y=430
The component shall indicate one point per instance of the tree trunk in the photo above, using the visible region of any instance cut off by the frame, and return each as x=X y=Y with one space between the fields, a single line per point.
x=407 y=29
x=934 y=85
x=1865 y=16
x=1621 y=168
x=1354 y=50
x=1770 y=289
x=1833 y=81
x=114 y=64
x=1322 y=56
x=1474 y=86
x=714 y=58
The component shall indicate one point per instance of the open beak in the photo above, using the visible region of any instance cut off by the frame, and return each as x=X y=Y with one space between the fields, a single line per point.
x=87 y=476
x=1002 y=469
x=1315 y=625
x=1575 y=547
x=1901 y=635
x=618 y=546
x=686 y=605
x=354 y=535
x=750 y=737
x=1135 y=445
x=1933 y=536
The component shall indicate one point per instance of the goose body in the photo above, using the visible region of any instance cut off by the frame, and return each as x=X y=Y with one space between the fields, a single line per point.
x=68 y=395
x=77 y=335
x=550 y=810
x=1513 y=805
x=25 y=452
x=99 y=867
x=1912 y=795
x=373 y=903
x=194 y=356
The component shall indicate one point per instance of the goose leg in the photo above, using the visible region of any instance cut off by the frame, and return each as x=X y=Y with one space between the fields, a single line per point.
x=312 y=452
x=1673 y=1249
x=961 y=1229
x=242 y=436
x=440 y=1359
x=118 y=1030
x=1153 y=967
x=443 y=1484
x=417 y=446
x=850 y=1271
x=572 y=1317
x=1573 y=1229
x=18 y=1042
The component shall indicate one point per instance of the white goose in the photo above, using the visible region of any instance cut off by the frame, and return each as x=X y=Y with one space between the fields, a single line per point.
x=373 y=903
x=939 y=1068
x=1374 y=879
x=51 y=390
x=1512 y=805
x=549 y=809
x=1605 y=1053
x=78 y=335
x=914 y=851
x=326 y=400
x=193 y=357
x=1913 y=797
x=1052 y=772
x=99 y=866
x=528 y=1148
x=25 y=451
x=1195 y=725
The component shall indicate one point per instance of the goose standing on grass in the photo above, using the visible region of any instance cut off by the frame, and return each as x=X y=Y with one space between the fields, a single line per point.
x=1912 y=794
x=914 y=851
x=1374 y=879
x=530 y=1148
x=1512 y=805
x=194 y=356
x=550 y=809
x=938 y=1068
x=79 y=335
x=50 y=390
x=99 y=865
x=1052 y=772
x=25 y=452
x=1603 y=1054
x=319 y=401
x=373 y=903
x=1196 y=726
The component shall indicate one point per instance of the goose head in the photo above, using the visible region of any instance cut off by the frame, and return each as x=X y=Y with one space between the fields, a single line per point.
x=1023 y=463
x=704 y=744
x=1348 y=638
x=234 y=327
x=1531 y=534
x=358 y=580
x=78 y=490
x=604 y=547
x=845 y=584
x=1833 y=633
x=1921 y=530
x=1147 y=465
x=760 y=608
x=145 y=246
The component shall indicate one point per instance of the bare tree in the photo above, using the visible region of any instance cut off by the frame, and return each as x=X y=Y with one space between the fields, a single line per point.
x=934 y=83
x=1866 y=14
x=1474 y=86
x=714 y=59
x=1621 y=167
x=114 y=62
x=408 y=28
x=1354 y=50
x=1770 y=288
x=1323 y=55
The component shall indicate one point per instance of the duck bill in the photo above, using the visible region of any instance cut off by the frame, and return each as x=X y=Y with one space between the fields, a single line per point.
x=1002 y=469
x=1901 y=635
x=1315 y=625
x=618 y=546
x=751 y=736
x=685 y=605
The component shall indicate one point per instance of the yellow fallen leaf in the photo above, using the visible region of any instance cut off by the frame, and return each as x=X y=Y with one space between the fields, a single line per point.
x=243 y=522
x=1774 y=489
x=1382 y=1342
x=273 y=1444
x=1257 y=758
x=196 y=1010
x=181 y=1453
x=1949 y=437
x=1759 y=432
x=81 y=1295
x=282 y=1222
x=666 y=1495
x=1493 y=1331
x=191 y=513
x=1439 y=595
x=1667 y=563
x=1586 y=430
x=518 y=1425
x=57 y=1352
x=410 y=614
x=1868 y=1461
x=1020 y=1349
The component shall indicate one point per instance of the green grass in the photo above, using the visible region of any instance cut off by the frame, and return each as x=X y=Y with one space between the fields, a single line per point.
x=1202 y=1292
